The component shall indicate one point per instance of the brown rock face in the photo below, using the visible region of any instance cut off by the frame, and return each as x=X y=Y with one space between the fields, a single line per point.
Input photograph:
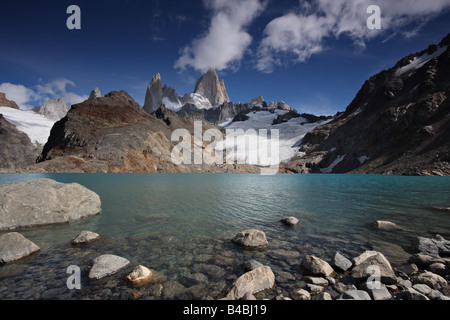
x=7 y=103
x=211 y=88
x=398 y=123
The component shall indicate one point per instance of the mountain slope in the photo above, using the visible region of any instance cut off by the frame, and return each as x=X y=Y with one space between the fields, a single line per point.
x=398 y=123
x=114 y=134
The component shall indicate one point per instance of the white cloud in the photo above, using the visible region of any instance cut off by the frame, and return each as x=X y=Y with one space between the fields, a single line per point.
x=28 y=98
x=18 y=93
x=297 y=36
x=226 y=41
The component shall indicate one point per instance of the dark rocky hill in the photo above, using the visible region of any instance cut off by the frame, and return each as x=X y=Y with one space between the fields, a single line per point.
x=398 y=123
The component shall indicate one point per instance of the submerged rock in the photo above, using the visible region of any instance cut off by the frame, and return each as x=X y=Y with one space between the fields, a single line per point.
x=106 y=265
x=43 y=202
x=290 y=221
x=142 y=276
x=251 y=238
x=386 y=225
x=85 y=237
x=14 y=246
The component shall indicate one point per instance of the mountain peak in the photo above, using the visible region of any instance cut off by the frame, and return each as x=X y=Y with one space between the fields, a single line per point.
x=209 y=86
x=154 y=94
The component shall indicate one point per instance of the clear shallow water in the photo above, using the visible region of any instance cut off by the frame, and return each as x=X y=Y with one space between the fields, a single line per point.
x=182 y=224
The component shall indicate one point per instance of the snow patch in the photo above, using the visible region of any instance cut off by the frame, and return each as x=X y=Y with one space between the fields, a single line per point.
x=363 y=159
x=333 y=164
x=291 y=132
x=175 y=106
x=36 y=126
x=418 y=62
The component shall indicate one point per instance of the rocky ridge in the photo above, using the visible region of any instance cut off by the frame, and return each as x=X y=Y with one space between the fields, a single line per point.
x=4 y=102
x=398 y=123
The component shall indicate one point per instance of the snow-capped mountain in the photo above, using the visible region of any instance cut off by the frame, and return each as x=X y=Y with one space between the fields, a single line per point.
x=209 y=92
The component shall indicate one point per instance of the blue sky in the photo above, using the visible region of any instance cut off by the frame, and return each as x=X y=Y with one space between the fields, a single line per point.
x=315 y=55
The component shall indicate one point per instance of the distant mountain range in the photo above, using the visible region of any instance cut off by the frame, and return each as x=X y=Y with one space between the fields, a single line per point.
x=398 y=123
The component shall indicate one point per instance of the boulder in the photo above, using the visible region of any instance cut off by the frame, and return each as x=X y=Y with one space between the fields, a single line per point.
x=324 y=296
x=438 y=268
x=386 y=225
x=14 y=246
x=106 y=265
x=341 y=262
x=289 y=221
x=85 y=237
x=43 y=202
x=301 y=294
x=413 y=294
x=251 y=238
x=424 y=260
x=354 y=295
x=250 y=265
x=314 y=266
x=366 y=263
x=378 y=292
x=143 y=276
x=431 y=279
x=318 y=281
x=259 y=279
x=434 y=247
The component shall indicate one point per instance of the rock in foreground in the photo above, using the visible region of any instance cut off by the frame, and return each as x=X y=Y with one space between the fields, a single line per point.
x=314 y=266
x=259 y=279
x=251 y=238
x=106 y=265
x=43 y=202
x=14 y=246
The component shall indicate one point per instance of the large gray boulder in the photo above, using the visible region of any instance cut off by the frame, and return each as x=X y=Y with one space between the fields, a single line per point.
x=43 y=202
x=365 y=264
x=259 y=279
x=14 y=246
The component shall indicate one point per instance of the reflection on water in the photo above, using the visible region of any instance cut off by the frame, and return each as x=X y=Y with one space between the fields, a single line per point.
x=181 y=224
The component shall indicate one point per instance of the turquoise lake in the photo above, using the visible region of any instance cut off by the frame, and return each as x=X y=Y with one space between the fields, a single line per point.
x=181 y=224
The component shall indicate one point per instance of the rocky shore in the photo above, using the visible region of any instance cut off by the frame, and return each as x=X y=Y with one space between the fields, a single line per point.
x=368 y=276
